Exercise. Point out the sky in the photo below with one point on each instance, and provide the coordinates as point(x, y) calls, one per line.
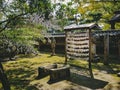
point(60, 1)
point(53, 1)
point(8, 1)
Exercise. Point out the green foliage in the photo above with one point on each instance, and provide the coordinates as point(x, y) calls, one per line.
point(24, 35)
point(22, 73)
point(16, 12)
point(20, 40)
point(96, 16)
point(100, 12)
point(91, 11)
point(11, 48)
point(64, 13)
point(16, 30)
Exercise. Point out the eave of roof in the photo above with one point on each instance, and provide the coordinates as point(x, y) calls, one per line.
point(82, 26)
point(115, 18)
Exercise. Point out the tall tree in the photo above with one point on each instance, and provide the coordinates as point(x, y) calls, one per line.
point(18, 10)
point(64, 13)
point(3, 78)
point(97, 11)
point(13, 13)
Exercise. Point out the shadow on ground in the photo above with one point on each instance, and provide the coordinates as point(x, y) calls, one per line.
point(87, 81)
point(20, 75)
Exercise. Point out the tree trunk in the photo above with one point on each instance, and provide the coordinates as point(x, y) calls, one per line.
point(4, 79)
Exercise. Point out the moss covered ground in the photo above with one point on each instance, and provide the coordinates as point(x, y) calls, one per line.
point(22, 74)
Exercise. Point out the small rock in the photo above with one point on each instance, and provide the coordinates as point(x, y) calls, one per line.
point(105, 72)
point(118, 74)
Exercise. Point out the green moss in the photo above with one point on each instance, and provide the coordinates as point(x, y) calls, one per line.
point(22, 72)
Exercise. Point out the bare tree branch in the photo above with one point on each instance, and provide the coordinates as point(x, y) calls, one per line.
point(7, 21)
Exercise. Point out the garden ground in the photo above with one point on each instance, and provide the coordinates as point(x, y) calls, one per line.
point(22, 74)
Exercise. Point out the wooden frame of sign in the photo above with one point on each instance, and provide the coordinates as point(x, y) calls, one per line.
point(78, 42)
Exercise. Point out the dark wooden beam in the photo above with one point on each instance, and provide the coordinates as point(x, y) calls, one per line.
point(65, 47)
point(106, 49)
point(117, 12)
point(90, 54)
point(112, 25)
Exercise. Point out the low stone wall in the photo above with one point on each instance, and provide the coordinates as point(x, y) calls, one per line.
point(44, 70)
point(56, 72)
point(59, 73)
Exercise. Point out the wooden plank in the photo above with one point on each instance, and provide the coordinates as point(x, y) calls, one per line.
point(66, 47)
point(77, 44)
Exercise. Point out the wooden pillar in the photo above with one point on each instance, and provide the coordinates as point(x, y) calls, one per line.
point(106, 49)
point(65, 47)
point(4, 79)
point(90, 55)
point(90, 45)
point(53, 45)
point(93, 48)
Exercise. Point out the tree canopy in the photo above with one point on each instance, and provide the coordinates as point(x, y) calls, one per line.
point(15, 12)
point(16, 26)
point(97, 11)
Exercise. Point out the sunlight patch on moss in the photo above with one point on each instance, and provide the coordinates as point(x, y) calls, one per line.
point(22, 73)
point(81, 63)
